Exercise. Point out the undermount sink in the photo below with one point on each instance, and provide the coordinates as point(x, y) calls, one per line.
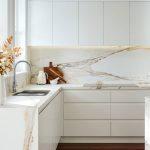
point(32, 93)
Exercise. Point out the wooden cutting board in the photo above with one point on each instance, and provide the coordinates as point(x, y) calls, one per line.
point(53, 73)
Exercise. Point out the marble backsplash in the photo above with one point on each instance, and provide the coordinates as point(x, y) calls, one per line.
point(92, 64)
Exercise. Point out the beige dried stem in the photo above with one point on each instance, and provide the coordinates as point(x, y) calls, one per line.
point(8, 55)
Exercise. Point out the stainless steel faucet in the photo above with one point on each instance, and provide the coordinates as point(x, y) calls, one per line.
point(14, 76)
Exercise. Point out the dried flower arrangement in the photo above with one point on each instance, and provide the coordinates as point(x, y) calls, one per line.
point(8, 55)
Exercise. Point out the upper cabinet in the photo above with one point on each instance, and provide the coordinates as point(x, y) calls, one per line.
point(90, 23)
point(65, 23)
point(140, 23)
point(39, 22)
point(116, 23)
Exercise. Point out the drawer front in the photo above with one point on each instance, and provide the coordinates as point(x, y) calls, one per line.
point(86, 96)
point(86, 128)
point(127, 127)
point(127, 111)
point(86, 111)
point(129, 95)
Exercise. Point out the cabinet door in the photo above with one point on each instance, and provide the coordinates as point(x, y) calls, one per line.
point(39, 22)
point(86, 128)
point(46, 127)
point(51, 124)
point(140, 23)
point(90, 23)
point(86, 111)
point(85, 96)
point(127, 111)
point(65, 23)
point(129, 95)
point(116, 23)
point(127, 127)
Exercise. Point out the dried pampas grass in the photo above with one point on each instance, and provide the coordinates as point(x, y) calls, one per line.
point(8, 55)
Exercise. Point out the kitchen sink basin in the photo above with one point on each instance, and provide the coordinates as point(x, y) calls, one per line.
point(32, 93)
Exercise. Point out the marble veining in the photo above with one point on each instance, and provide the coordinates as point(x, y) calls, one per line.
point(29, 118)
point(84, 65)
point(17, 127)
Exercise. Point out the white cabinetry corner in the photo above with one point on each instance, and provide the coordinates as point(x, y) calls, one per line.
point(51, 124)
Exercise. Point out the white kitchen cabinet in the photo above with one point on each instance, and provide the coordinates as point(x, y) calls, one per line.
point(140, 23)
point(116, 23)
point(127, 128)
point(136, 96)
point(86, 96)
point(127, 111)
point(51, 124)
point(65, 23)
point(90, 23)
point(86, 128)
point(39, 22)
point(86, 111)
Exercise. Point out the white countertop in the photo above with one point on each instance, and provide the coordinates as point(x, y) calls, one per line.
point(42, 101)
point(36, 101)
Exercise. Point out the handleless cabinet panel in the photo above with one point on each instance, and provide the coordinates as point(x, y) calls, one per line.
point(116, 23)
point(127, 127)
point(127, 111)
point(129, 95)
point(86, 111)
point(39, 22)
point(90, 23)
point(65, 23)
point(86, 96)
point(86, 128)
point(51, 124)
point(140, 23)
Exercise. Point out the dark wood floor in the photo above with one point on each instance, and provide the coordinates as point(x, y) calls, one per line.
point(64, 146)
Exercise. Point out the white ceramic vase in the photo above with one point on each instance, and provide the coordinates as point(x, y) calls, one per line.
point(2, 90)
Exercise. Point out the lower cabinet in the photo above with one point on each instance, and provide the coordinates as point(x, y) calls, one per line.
point(128, 112)
point(114, 113)
point(51, 124)
point(127, 127)
point(86, 111)
point(86, 128)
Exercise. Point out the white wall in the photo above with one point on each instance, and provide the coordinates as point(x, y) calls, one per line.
point(3, 20)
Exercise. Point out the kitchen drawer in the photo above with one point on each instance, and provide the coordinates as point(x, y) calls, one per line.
point(129, 95)
point(127, 127)
point(86, 96)
point(127, 110)
point(86, 128)
point(86, 111)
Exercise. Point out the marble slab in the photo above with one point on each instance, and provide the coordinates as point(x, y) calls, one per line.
point(91, 64)
point(18, 128)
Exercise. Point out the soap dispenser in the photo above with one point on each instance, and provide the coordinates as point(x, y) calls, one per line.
point(41, 78)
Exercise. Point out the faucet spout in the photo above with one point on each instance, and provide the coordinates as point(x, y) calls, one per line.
point(14, 75)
